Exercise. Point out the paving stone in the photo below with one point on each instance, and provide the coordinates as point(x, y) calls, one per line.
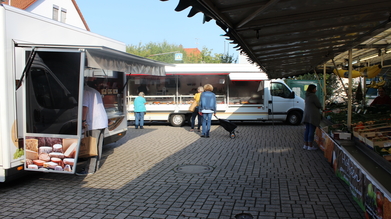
point(263, 171)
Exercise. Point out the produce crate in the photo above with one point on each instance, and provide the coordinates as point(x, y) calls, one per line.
point(381, 142)
point(370, 132)
point(385, 152)
point(341, 135)
point(369, 128)
point(365, 135)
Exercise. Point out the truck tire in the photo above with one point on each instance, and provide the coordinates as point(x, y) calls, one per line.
point(294, 118)
point(188, 119)
point(177, 120)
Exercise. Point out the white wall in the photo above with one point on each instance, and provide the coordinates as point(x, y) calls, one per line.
point(45, 8)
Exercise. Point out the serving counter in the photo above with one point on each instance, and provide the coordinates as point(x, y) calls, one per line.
point(367, 174)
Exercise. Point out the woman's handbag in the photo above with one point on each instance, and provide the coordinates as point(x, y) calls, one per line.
point(88, 147)
point(193, 106)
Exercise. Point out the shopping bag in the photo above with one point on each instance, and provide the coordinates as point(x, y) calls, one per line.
point(88, 147)
point(193, 106)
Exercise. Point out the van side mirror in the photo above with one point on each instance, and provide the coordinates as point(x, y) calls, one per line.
point(292, 95)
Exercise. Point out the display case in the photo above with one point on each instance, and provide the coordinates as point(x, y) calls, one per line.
point(360, 167)
point(188, 99)
point(155, 100)
point(110, 86)
point(370, 126)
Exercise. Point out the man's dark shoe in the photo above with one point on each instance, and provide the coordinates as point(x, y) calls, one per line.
point(82, 173)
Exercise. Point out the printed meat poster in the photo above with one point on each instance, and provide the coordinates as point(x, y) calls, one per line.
point(50, 154)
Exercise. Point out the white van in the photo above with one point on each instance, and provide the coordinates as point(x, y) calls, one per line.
point(243, 93)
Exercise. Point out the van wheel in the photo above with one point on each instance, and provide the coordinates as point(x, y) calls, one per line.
point(189, 120)
point(294, 118)
point(177, 120)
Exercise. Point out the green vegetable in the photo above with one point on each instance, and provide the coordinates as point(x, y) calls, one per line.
point(18, 153)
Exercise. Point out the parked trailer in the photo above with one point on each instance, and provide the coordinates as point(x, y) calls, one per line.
point(44, 65)
point(243, 93)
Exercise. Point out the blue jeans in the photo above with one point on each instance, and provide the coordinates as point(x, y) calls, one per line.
point(206, 123)
point(309, 132)
point(193, 116)
point(139, 119)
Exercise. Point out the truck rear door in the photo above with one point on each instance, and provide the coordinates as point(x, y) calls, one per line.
point(51, 95)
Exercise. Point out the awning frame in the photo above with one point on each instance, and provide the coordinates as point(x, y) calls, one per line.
point(109, 59)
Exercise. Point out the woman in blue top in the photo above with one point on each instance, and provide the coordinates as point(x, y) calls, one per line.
point(139, 110)
point(207, 107)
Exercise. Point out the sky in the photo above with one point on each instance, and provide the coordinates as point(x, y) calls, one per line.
point(145, 21)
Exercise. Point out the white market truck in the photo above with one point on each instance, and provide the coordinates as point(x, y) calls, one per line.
point(243, 93)
point(44, 66)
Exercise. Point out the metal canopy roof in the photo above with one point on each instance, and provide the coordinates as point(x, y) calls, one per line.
point(292, 37)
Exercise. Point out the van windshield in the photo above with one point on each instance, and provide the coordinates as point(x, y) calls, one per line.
point(52, 90)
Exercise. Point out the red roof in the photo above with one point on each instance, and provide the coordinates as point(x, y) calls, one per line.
point(192, 51)
point(22, 4)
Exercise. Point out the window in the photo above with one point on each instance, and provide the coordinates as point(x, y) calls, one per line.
point(182, 86)
point(52, 90)
point(63, 15)
point(280, 90)
point(110, 85)
point(55, 12)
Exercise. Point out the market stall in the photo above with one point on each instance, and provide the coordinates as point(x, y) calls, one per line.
point(356, 141)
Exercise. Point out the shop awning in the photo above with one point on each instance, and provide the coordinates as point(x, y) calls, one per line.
point(114, 60)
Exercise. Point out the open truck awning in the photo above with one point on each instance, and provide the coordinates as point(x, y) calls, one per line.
point(110, 59)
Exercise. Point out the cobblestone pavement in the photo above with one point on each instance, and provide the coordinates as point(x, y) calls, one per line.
point(263, 172)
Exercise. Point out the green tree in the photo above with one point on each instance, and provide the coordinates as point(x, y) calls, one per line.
point(165, 52)
point(226, 58)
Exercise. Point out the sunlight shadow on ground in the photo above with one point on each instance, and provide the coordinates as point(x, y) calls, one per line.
point(136, 157)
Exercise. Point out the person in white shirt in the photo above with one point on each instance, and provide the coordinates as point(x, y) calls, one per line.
point(95, 121)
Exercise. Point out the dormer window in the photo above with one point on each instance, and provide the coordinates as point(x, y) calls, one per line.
point(55, 12)
point(63, 15)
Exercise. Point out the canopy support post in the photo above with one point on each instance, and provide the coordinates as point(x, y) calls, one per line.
point(349, 119)
point(324, 88)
